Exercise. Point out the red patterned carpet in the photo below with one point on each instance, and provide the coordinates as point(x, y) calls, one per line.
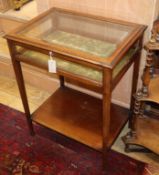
point(48, 153)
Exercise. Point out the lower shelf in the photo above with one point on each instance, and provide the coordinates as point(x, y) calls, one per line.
point(79, 116)
point(153, 91)
point(147, 134)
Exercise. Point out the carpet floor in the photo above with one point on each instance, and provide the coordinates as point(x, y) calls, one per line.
point(49, 153)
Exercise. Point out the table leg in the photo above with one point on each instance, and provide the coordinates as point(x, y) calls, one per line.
point(107, 83)
point(134, 82)
point(134, 86)
point(21, 86)
point(62, 81)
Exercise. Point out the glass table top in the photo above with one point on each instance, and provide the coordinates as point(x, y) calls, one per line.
point(82, 33)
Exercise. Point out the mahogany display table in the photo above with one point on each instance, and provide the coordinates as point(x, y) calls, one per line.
point(94, 52)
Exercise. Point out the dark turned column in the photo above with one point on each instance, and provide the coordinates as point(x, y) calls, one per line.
point(147, 73)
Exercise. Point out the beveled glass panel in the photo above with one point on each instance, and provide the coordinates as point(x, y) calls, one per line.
point(73, 31)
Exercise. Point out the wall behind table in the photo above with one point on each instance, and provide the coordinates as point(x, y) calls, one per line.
point(138, 11)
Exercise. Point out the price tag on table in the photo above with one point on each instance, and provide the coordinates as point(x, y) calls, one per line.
point(51, 64)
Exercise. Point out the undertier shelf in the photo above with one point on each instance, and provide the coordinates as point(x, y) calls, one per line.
point(79, 116)
point(153, 91)
point(147, 132)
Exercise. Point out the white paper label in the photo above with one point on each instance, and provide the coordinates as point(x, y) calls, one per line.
point(52, 66)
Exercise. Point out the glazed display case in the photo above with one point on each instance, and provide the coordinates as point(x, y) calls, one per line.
point(91, 51)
